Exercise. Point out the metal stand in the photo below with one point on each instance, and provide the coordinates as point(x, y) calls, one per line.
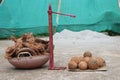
point(51, 62)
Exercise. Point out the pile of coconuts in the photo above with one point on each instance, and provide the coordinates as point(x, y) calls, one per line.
point(27, 43)
point(86, 62)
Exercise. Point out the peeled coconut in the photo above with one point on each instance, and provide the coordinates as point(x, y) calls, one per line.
point(72, 65)
point(75, 59)
point(86, 59)
point(100, 61)
point(82, 65)
point(93, 64)
point(87, 54)
point(81, 59)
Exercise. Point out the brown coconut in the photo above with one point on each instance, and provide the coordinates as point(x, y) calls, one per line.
point(81, 59)
point(86, 59)
point(72, 65)
point(75, 59)
point(93, 64)
point(87, 54)
point(82, 65)
point(100, 61)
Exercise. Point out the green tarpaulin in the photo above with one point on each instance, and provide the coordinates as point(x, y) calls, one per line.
point(23, 16)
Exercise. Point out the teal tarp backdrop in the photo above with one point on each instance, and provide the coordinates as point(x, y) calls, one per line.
point(23, 16)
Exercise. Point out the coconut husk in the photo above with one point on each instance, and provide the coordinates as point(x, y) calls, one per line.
point(27, 42)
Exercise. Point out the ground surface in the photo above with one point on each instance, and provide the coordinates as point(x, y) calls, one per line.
point(110, 51)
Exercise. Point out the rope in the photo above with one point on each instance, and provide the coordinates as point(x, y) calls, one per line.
point(57, 17)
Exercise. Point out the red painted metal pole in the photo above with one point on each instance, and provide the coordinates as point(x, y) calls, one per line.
point(51, 62)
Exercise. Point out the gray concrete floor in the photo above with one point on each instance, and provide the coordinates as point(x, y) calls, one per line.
point(110, 51)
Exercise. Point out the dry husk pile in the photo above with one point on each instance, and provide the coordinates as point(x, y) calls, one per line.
point(27, 43)
point(86, 62)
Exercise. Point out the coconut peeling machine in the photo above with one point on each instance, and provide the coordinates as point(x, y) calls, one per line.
point(51, 62)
